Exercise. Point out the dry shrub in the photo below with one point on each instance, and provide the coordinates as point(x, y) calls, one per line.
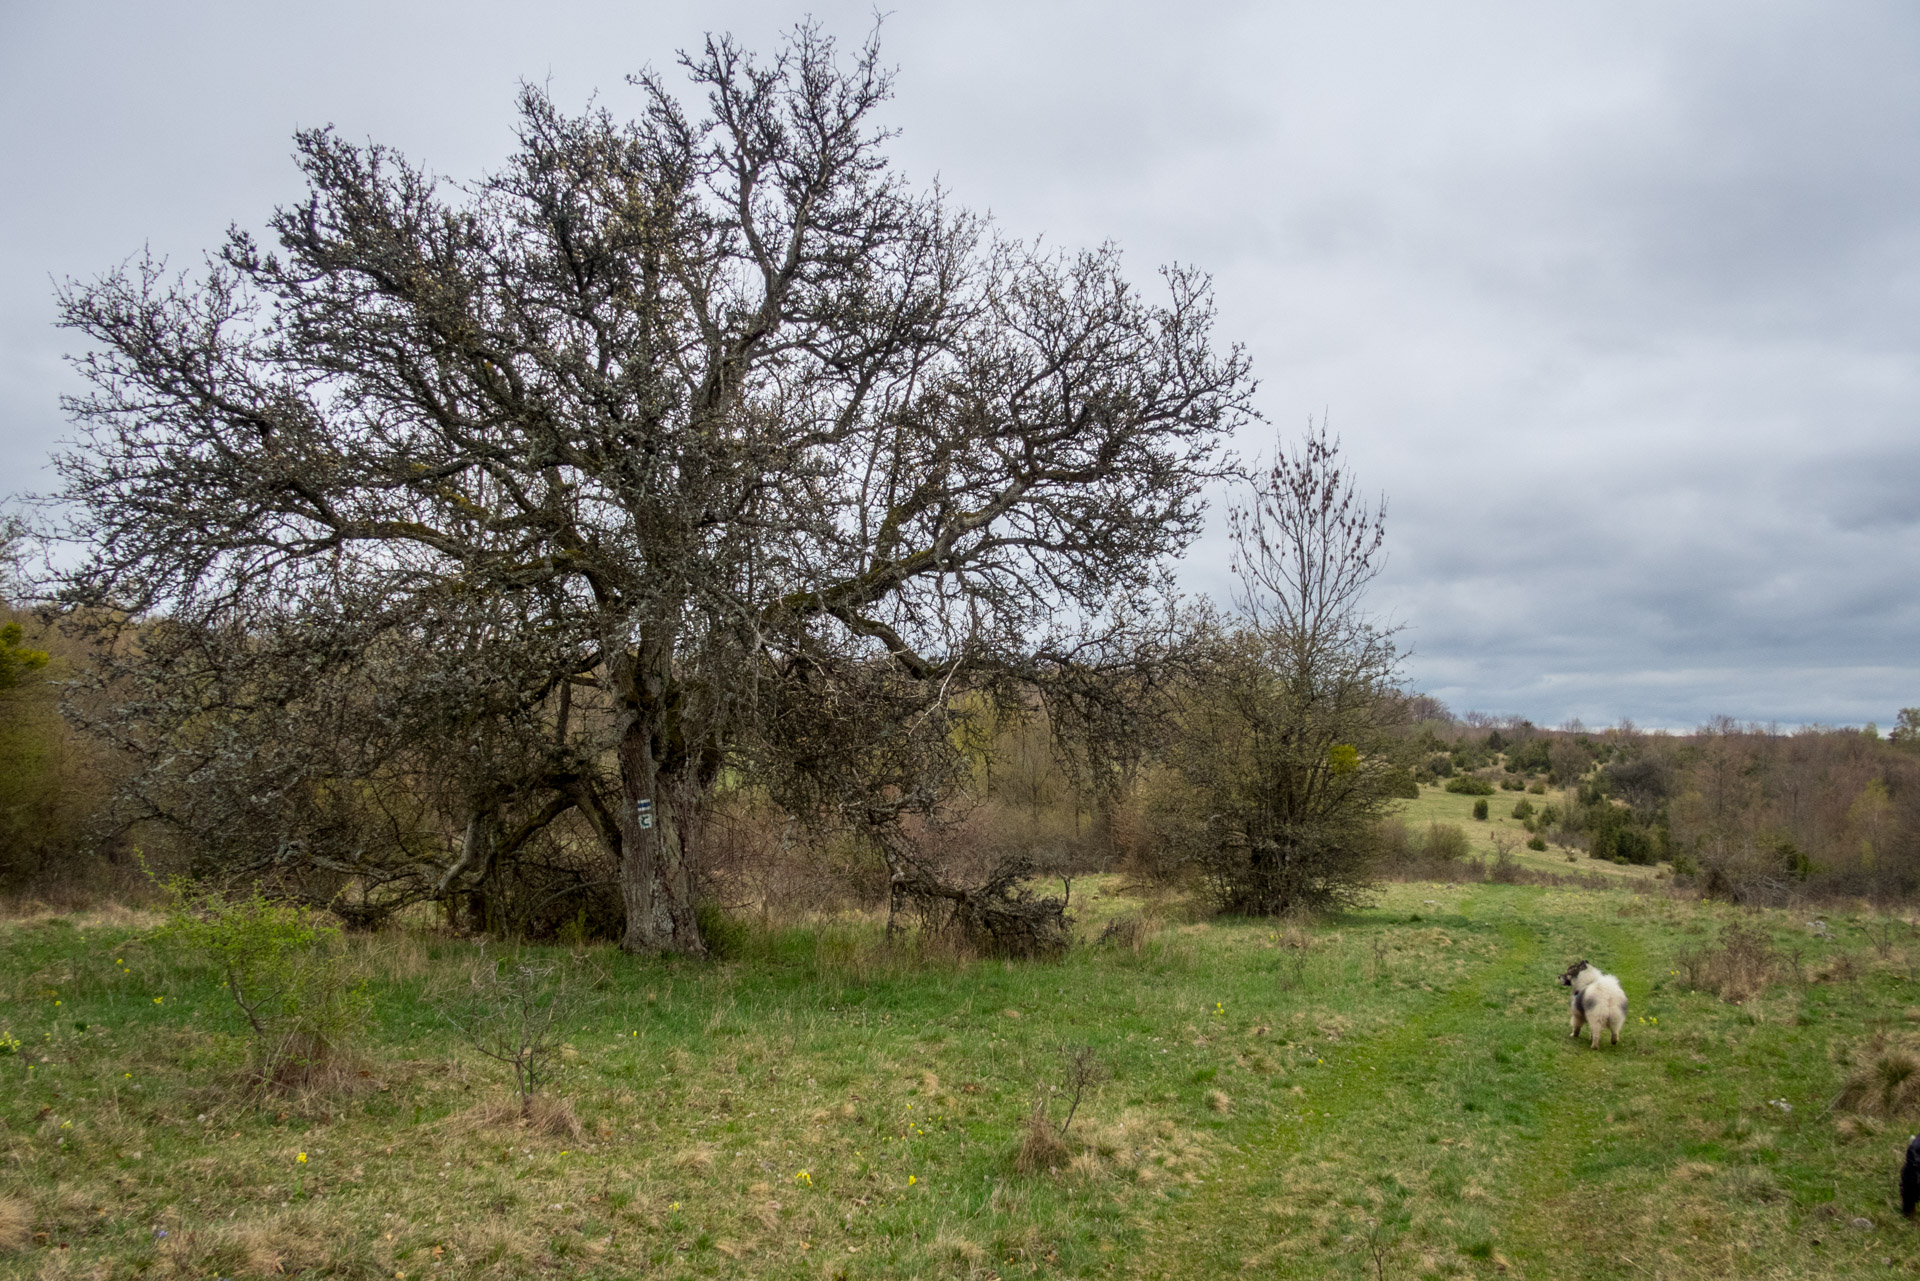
point(1131, 933)
point(697, 1159)
point(1042, 1147)
point(1738, 967)
point(1886, 1083)
point(1218, 1101)
point(1000, 916)
point(1841, 967)
point(16, 1223)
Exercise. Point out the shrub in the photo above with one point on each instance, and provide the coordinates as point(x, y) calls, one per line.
point(1480, 809)
point(1445, 843)
point(1523, 809)
point(1615, 838)
point(1402, 784)
point(1537, 844)
point(1468, 785)
point(727, 937)
point(513, 1011)
point(285, 972)
point(1739, 966)
point(1511, 784)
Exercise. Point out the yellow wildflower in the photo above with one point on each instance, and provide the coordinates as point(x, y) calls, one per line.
point(302, 1158)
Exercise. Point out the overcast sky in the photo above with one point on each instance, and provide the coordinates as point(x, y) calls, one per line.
point(1616, 303)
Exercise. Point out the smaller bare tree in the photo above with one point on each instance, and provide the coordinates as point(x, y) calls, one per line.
point(1289, 732)
point(513, 1011)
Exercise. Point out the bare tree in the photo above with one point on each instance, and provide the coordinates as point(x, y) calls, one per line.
point(695, 417)
point(512, 1012)
point(1289, 732)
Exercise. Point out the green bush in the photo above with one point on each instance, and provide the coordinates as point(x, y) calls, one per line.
point(1480, 809)
point(1529, 757)
point(1538, 787)
point(1523, 809)
point(1537, 843)
point(727, 937)
point(1467, 785)
point(284, 970)
point(1401, 783)
point(16, 660)
point(1445, 843)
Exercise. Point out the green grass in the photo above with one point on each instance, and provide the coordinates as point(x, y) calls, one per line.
point(1403, 1079)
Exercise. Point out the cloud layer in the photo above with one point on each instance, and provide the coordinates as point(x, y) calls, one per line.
point(1617, 304)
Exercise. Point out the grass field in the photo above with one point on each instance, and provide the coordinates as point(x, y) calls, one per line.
point(1388, 1094)
point(1436, 805)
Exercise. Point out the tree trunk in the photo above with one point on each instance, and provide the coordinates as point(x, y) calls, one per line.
point(656, 875)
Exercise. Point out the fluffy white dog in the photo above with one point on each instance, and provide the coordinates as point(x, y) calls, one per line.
point(1598, 1001)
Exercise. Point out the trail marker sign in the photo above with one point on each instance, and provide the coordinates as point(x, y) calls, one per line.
point(643, 808)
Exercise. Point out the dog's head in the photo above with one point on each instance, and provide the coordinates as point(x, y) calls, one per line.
point(1573, 972)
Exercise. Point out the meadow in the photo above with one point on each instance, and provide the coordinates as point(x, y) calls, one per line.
point(1436, 805)
point(1390, 1093)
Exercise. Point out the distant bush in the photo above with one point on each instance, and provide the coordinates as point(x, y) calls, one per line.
point(1402, 784)
point(1538, 787)
point(1468, 785)
point(1445, 843)
point(1511, 784)
point(1529, 757)
point(1480, 809)
point(1615, 836)
point(1537, 843)
point(1523, 809)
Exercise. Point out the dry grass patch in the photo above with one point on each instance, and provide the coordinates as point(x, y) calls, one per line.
point(285, 1245)
point(541, 1114)
point(16, 1223)
point(1885, 1081)
point(697, 1159)
point(952, 1246)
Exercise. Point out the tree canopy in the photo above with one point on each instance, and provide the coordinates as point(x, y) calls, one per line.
point(621, 466)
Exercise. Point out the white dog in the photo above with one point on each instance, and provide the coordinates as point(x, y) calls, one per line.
point(1598, 1001)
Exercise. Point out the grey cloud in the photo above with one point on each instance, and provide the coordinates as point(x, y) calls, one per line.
point(1618, 304)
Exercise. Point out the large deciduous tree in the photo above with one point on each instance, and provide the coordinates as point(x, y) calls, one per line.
point(694, 415)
